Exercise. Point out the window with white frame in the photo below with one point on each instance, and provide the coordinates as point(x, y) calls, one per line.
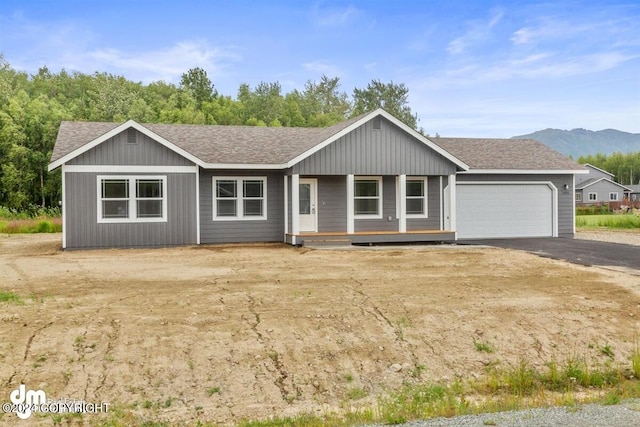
point(132, 198)
point(578, 197)
point(613, 197)
point(416, 195)
point(237, 198)
point(367, 195)
point(593, 197)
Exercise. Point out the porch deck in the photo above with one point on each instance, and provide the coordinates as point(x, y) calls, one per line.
point(364, 237)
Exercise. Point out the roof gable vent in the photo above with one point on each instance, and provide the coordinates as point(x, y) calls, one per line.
point(132, 136)
point(376, 123)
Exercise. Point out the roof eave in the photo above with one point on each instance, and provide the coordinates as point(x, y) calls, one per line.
point(115, 131)
point(525, 171)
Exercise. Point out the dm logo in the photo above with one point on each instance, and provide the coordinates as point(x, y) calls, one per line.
point(25, 400)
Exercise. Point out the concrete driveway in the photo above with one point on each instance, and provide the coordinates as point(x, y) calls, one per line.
point(585, 252)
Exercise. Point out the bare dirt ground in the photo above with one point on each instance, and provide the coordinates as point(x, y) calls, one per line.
point(223, 333)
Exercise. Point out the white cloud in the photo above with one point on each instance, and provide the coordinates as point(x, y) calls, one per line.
point(319, 67)
point(165, 64)
point(477, 31)
point(334, 17)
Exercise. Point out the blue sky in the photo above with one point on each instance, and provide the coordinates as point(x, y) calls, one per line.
point(473, 68)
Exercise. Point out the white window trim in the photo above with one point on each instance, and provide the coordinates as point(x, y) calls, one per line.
point(240, 197)
point(426, 197)
point(595, 197)
point(611, 199)
point(578, 197)
point(133, 206)
point(379, 215)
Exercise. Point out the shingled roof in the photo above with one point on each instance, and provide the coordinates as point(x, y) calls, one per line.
point(516, 154)
point(212, 144)
point(254, 145)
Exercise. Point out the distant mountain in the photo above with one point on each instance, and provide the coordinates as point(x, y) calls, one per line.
point(578, 142)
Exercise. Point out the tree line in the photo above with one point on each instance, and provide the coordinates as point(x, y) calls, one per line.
point(625, 167)
point(32, 107)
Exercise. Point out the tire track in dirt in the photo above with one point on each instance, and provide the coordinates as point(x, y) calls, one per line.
point(27, 350)
point(383, 319)
point(276, 358)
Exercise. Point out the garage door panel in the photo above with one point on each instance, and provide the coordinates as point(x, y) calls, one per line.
point(504, 210)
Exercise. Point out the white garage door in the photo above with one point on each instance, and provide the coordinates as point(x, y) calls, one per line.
point(504, 210)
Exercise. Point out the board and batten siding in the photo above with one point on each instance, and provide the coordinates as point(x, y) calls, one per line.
point(83, 230)
point(332, 204)
point(368, 151)
point(242, 231)
point(117, 151)
point(432, 222)
point(565, 197)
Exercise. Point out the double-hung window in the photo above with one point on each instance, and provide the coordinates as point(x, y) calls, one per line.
point(613, 197)
point(416, 197)
point(593, 197)
point(239, 198)
point(367, 194)
point(132, 198)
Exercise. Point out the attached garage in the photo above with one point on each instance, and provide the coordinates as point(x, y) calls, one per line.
point(502, 210)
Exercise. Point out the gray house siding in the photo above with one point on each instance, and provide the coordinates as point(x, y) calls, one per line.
point(240, 231)
point(332, 203)
point(602, 188)
point(432, 222)
point(367, 151)
point(565, 197)
point(593, 173)
point(388, 222)
point(83, 231)
point(117, 151)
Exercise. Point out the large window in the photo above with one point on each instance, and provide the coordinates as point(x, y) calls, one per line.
point(132, 199)
point(368, 197)
point(239, 198)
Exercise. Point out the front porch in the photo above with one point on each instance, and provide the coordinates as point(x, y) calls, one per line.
point(370, 237)
point(352, 209)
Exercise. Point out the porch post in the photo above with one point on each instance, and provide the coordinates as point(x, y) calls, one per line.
point(286, 207)
point(350, 208)
point(452, 202)
point(403, 204)
point(295, 204)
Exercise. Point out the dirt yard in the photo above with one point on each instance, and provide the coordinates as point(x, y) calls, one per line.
point(222, 333)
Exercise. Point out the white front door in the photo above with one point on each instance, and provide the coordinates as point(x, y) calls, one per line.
point(308, 213)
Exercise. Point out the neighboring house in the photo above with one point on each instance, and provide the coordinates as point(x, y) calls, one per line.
point(368, 179)
point(634, 193)
point(598, 186)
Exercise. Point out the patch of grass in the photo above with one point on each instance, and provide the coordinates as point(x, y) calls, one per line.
point(625, 221)
point(356, 393)
point(8, 296)
point(38, 225)
point(213, 390)
point(32, 211)
point(483, 346)
point(607, 350)
point(348, 377)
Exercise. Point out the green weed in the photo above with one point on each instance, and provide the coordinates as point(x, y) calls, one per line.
point(7, 296)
